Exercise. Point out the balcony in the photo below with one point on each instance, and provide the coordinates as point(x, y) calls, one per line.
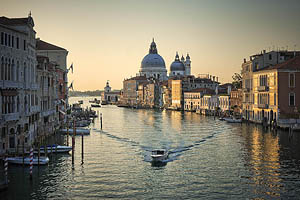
point(263, 106)
point(47, 113)
point(11, 117)
point(9, 84)
point(34, 86)
point(262, 88)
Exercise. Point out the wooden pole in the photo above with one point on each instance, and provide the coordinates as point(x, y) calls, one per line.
point(31, 162)
point(73, 143)
point(5, 169)
point(82, 149)
point(67, 131)
point(23, 150)
point(101, 121)
point(39, 151)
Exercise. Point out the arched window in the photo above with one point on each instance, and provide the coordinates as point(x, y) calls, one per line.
point(9, 70)
point(24, 73)
point(5, 69)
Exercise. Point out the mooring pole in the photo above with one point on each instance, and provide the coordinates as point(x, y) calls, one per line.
point(31, 162)
point(39, 151)
point(73, 143)
point(67, 131)
point(101, 121)
point(5, 169)
point(23, 151)
point(82, 149)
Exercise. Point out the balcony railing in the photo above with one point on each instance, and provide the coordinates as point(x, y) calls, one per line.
point(263, 106)
point(262, 88)
point(11, 116)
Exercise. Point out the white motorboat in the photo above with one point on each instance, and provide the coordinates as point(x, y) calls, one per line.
point(19, 160)
point(55, 149)
point(159, 155)
point(233, 120)
point(79, 131)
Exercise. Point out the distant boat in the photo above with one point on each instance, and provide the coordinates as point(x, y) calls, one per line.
point(80, 101)
point(159, 155)
point(96, 105)
point(55, 149)
point(104, 102)
point(19, 160)
point(79, 131)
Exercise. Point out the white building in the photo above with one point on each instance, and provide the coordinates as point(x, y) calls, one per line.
point(18, 97)
point(180, 67)
point(153, 65)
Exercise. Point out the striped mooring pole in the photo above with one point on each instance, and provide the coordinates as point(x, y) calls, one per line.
point(5, 169)
point(31, 162)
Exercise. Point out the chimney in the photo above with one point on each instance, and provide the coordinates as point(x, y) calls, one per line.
point(214, 78)
point(217, 79)
point(210, 77)
point(250, 58)
point(244, 60)
point(264, 51)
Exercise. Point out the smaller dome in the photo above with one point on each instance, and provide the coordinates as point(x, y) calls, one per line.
point(177, 66)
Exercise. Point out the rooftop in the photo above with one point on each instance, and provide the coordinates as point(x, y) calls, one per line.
point(42, 45)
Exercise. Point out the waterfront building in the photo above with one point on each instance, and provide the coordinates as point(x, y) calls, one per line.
point(236, 98)
point(18, 97)
point(130, 90)
point(275, 92)
point(48, 96)
point(109, 96)
point(193, 98)
point(247, 90)
point(180, 67)
point(153, 65)
point(57, 55)
point(149, 94)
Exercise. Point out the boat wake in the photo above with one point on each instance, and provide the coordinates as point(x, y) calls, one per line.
point(174, 152)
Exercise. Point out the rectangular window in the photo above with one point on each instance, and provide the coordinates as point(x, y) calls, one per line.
point(5, 39)
point(2, 38)
point(17, 43)
point(274, 99)
point(12, 41)
point(9, 40)
point(292, 80)
point(270, 56)
point(24, 45)
point(292, 99)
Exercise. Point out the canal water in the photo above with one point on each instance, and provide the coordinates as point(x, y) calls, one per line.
point(209, 159)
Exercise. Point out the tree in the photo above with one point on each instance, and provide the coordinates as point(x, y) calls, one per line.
point(237, 80)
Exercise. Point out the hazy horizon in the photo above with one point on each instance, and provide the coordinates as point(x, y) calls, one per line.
point(107, 40)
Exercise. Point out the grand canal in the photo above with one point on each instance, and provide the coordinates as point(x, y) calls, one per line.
point(209, 159)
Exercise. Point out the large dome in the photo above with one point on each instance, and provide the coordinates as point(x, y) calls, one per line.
point(153, 60)
point(177, 66)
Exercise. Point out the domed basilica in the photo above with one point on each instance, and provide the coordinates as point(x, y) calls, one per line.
point(153, 65)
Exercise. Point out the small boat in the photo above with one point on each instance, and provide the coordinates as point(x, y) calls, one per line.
point(80, 101)
point(159, 155)
point(55, 149)
point(95, 105)
point(233, 120)
point(221, 118)
point(79, 131)
point(19, 160)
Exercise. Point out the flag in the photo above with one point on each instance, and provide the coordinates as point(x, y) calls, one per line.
point(71, 67)
point(71, 86)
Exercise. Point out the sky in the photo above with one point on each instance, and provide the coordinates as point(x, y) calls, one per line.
point(107, 40)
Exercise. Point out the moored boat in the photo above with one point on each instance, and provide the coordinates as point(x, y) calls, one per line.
point(159, 155)
point(55, 149)
point(79, 131)
point(19, 160)
point(233, 120)
point(96, 105)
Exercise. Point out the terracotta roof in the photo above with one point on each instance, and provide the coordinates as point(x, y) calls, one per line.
point(293, 64)
point(42, 45)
